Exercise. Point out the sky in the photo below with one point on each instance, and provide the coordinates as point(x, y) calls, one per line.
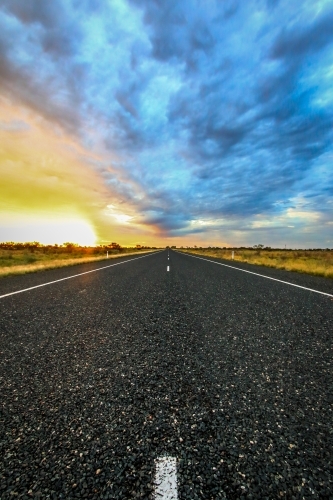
point(160, 122)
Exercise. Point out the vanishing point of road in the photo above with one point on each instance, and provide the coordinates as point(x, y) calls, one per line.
point(221, 377)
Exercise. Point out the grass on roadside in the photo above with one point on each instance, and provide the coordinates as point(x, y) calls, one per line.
point(27, 261)
point(315, 262)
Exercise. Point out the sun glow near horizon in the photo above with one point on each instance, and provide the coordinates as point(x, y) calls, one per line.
point(48, 231)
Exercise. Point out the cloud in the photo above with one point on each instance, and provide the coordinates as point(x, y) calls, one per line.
point(14, 125)
point(185, 111)
point(299, 40)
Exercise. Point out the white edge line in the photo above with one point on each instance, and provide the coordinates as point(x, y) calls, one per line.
point(166, 478)
point(80, 274)
point(257, 274)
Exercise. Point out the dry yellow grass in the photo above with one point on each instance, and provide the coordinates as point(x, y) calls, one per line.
point(42, 265)
point(315, 262)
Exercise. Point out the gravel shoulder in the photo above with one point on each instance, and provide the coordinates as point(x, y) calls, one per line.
point(229, 373)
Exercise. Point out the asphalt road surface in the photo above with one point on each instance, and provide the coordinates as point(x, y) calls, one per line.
point(225, 374)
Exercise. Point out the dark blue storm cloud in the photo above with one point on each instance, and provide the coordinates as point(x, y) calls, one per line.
point(220, 113)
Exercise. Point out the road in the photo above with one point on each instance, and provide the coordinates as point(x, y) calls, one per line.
point(226, 372)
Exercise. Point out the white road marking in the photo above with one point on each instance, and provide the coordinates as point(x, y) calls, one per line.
point(257, 274)
point(168, 268)
point(166, 478)
point(75, 275)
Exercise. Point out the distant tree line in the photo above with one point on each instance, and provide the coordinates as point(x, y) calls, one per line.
point(69, 247)
point(257, 248)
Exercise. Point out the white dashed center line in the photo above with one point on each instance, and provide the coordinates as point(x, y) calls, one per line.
point(168, 268)
point(166, 478)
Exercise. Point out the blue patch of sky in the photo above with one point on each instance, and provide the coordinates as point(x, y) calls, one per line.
point(214, 109)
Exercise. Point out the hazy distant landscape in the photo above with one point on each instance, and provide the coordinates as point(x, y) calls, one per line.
point(21, 258)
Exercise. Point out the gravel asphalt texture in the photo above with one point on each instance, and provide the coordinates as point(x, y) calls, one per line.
point(228, 372)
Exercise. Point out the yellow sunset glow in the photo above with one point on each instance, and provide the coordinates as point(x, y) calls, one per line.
point(48, 231)
point(48, 193)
